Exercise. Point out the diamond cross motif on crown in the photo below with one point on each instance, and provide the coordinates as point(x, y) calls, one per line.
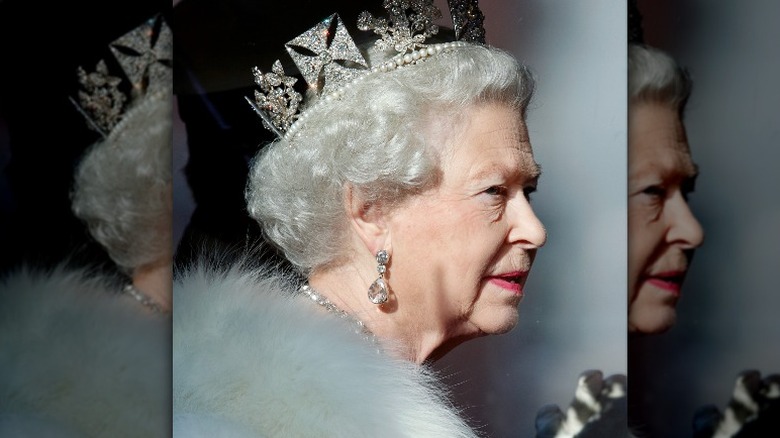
point(326, 55)
point(145, 54)
point(329, 60)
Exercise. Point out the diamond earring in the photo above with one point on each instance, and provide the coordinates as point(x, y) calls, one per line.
point(377, 293)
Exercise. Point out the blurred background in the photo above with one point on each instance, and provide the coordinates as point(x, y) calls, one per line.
point(728, 316)
point(573, 316)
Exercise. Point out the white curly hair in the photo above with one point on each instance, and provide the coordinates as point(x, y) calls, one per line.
point(122, 186)
point(654, 76)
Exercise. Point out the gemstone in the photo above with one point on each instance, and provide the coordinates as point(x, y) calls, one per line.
point(377, 293)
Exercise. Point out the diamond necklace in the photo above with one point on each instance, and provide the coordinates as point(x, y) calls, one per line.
point(143, 298)
point(359, 326)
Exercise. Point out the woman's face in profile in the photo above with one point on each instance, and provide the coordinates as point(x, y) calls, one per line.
point(662, 230)
point(462, 251)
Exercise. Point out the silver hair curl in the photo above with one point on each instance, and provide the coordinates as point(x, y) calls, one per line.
point(654, 76)
point(376, 139)
point(122, 186)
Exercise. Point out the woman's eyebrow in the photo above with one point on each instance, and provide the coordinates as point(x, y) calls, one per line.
point(506, 171)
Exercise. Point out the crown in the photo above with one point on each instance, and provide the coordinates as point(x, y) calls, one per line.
point(329, 61)
point(144, 54)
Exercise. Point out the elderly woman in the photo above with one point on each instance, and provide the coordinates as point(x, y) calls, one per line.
point(87, 353)
point(663, 232)
point(123, 193)
point(403, 199)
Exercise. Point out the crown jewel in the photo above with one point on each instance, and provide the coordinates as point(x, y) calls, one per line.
point(101, 101)
point(330, 43)
point(405, 31)
point(467, 20)
point(329, 60)
point(144, 54)
point(277, 102)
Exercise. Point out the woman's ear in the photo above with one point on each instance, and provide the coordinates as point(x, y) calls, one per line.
point(367, 220)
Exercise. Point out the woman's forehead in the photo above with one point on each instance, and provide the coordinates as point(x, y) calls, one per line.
point(493, 140)
point(506, 159)
point(482, 124)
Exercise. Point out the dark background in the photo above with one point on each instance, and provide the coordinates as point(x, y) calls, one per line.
point(42, 136)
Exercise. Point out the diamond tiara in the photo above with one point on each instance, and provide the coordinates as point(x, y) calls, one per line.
point(144, 54)
point(329, 60)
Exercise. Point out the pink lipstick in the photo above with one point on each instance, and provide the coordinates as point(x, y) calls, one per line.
point(511, 281)
point(669, 281)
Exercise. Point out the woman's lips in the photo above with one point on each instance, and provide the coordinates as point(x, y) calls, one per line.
point(511, 281)
point(669, 281)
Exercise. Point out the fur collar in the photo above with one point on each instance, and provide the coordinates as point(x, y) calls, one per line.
point(79, 358)
point(253, 358)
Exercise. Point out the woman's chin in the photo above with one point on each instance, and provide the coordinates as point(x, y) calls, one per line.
point(652, 322)
point(498, 322)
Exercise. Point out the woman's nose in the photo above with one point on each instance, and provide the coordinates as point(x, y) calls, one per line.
point(527, 229)
point(684, 228)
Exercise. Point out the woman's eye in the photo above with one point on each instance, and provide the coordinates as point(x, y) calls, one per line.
point(495, 191)
point(655, 191)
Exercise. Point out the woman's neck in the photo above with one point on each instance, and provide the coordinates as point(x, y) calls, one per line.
point(399, 332)
point(155, 281)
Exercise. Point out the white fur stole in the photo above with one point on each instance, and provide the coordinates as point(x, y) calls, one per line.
point(77, 358)
point(251, 358)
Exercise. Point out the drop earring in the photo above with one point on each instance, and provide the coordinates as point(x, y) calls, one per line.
point(377, 293)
